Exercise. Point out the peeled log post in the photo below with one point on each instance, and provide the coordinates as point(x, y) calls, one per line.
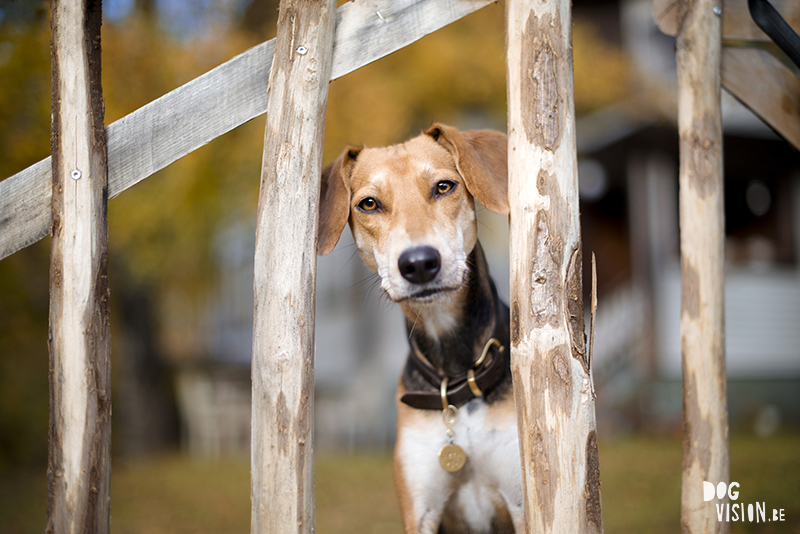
point(79, 464)
point(702, 222)
point(552, 387)
point(282, 470)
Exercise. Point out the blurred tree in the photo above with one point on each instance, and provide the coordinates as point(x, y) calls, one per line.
point(25, 91)
point(161, 232)
point(24, 397)
point(24, 140)
point(260, 18)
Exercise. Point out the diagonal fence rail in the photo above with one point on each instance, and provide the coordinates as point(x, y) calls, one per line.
point(215, 103)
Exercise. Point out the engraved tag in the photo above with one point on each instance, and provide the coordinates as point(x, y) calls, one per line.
point(452, 457)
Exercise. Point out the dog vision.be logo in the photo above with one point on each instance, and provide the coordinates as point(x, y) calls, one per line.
point(738, 511)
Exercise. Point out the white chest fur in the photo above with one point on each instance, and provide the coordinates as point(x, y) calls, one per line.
point(490, 480)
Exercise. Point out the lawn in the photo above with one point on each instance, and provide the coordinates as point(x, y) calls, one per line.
point(176, 495)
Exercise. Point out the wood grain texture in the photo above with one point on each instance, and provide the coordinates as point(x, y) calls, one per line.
point(775, 97)
point(737, 24)
point(282, 468)
point(79, 463)
point(211, 105)
point(552, 388)
point(702, 223)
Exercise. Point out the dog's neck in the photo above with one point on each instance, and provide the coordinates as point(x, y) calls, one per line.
point(450, 334)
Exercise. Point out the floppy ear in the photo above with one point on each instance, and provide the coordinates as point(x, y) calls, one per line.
point(334, 200)
point(481, 158)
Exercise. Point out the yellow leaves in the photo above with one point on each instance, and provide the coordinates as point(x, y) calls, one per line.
point(141, 63)
point(457, 75)
point(24, 97)
point(443, 77)
point(600, 69)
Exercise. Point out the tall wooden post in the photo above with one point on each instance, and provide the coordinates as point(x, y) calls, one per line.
point(702, 222)
point(282, 484)
point(79, 461)
point(552, 385)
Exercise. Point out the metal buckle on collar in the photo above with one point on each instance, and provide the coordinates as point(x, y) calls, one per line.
point(473, 386)
point(493, 341)
point(443, 393)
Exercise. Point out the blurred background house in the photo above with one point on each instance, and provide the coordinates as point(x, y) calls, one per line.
point(181, 243)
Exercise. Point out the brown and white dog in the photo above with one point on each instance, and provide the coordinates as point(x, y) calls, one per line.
point(411, 208)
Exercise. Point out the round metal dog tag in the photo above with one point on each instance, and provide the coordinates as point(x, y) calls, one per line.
point(452, 457)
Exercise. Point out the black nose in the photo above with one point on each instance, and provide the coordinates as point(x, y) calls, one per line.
point(419, 264)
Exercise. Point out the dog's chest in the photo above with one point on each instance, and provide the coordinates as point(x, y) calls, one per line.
point(491, 479)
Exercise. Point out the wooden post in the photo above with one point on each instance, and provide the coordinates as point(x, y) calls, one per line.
point(702, 222)
point(552, 385)
point(282, 484)
point(79, 463)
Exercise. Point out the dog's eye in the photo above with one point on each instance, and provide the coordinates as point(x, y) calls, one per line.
point(444, 187)
point(368, 204)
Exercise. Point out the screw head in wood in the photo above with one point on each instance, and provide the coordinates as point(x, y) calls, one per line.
point(76, 174)
point(302, 50)
point(717, 11)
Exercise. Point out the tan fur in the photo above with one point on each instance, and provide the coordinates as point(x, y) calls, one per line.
point(404, 497)
point(477, 157)
point(481, 157)
point(402, 180)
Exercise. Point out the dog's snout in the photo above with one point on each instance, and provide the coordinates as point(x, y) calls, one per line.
point(419, 264)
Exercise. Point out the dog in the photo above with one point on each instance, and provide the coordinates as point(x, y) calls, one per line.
point(411, 209)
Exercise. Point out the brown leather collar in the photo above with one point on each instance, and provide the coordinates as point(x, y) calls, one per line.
point(460, 388)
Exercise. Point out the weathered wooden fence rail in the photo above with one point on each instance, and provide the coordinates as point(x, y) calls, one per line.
point(211, 105)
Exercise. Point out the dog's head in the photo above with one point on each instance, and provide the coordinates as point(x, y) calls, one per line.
point(411, 206)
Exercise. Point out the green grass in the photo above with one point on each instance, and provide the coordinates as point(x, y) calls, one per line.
point(354, 493)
